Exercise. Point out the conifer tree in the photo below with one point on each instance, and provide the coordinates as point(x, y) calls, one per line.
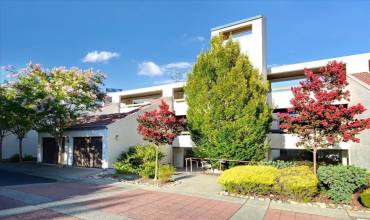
point(228, 114)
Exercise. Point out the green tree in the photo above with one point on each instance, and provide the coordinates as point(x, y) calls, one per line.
point(67, 95)
point(228, 113)
point(52, 100)
point(20, 114)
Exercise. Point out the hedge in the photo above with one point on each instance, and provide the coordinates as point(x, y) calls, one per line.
point(297, 182)
point(249, 179)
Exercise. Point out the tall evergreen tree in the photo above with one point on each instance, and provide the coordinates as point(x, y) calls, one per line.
point(228, 113)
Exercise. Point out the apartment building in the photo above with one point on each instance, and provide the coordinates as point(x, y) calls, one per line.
point(98, 140)
point(251, 34)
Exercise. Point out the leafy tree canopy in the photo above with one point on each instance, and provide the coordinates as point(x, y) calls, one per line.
point(315, 116)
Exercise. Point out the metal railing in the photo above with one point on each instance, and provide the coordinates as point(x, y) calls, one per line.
point(189, 161)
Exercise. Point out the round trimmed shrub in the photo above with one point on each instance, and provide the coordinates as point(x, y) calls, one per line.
point(249, 179)
point(365, 198)
point(297, 182)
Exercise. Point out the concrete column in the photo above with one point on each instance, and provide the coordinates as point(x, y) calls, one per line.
point(344, 157)
point(39, 149)
point(105, 156)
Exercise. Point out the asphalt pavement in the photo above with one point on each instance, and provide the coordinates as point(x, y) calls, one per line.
point(13, 178)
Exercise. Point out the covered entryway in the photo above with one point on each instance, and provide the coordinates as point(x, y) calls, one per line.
point(50, 150)
point(88, 151)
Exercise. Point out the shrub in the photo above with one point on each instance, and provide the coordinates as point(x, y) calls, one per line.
point(29, 158)
point(165, 173)
point(340, 182)
point(278, 163)
point(249, 179)
point(136, 160)
point(365, 198)
point(297, 182)
point(147, 170)
point(14, 158)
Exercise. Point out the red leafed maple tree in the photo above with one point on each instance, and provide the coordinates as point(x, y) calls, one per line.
point(316, 117)
point(160, 127)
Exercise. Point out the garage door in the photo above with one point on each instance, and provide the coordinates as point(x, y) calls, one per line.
point(50, 150)
point(87, 151)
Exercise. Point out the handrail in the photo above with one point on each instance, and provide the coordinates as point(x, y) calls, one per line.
point(221, 161)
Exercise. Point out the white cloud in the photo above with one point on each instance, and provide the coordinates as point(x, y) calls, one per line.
point(150, 69)
point(199, 38)
point(178, 65)
point(99, 57)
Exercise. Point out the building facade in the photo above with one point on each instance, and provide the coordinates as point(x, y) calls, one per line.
point(251, 35)
point(114, 137)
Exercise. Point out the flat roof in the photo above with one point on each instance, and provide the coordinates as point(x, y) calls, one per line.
point(236, 22)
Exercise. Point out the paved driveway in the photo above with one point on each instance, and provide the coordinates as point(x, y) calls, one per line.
point(11, 178)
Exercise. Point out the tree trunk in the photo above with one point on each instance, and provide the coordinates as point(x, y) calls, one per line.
point(314, 152)
point(156, 162)
point(59, 141)
point(20, 140)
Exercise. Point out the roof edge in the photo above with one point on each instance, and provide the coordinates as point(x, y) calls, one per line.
point(236, 22)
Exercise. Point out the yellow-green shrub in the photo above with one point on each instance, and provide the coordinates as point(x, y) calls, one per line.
point(165, 173)
point(249, 179)
point(365, 198)
point(297, 182)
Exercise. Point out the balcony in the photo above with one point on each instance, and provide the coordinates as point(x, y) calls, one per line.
point(124, 108)
point(180, 107)
point(280, 98)
point(183, 140)
point(288, 141)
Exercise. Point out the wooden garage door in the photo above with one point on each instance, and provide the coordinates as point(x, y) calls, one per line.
point(50, 150)
point(87, 151)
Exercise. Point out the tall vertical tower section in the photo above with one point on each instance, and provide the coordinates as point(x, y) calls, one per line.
point(251, 35)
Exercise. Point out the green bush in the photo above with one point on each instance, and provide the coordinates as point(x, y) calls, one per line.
point(278, 163)
point(14, 158)
point(165, 173)
point(340, 182)
point(137, 160)
point(29, 158)
point(297, 182)
point(249, 179)
point(365, 198)
point(147, 170)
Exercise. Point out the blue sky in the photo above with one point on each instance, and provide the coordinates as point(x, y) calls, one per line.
point(143, 43)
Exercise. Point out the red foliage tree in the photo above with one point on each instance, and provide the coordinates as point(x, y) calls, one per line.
point(160, 127)
point(316, 117)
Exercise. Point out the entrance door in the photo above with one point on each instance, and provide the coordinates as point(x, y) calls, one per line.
point(87, 151)
point(50, 150)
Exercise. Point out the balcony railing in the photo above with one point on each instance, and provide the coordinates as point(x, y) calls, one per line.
point(180, 106)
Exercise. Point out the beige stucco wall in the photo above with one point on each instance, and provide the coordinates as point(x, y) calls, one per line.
point(11, 145)
point(123, 134)
point(360, 152)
